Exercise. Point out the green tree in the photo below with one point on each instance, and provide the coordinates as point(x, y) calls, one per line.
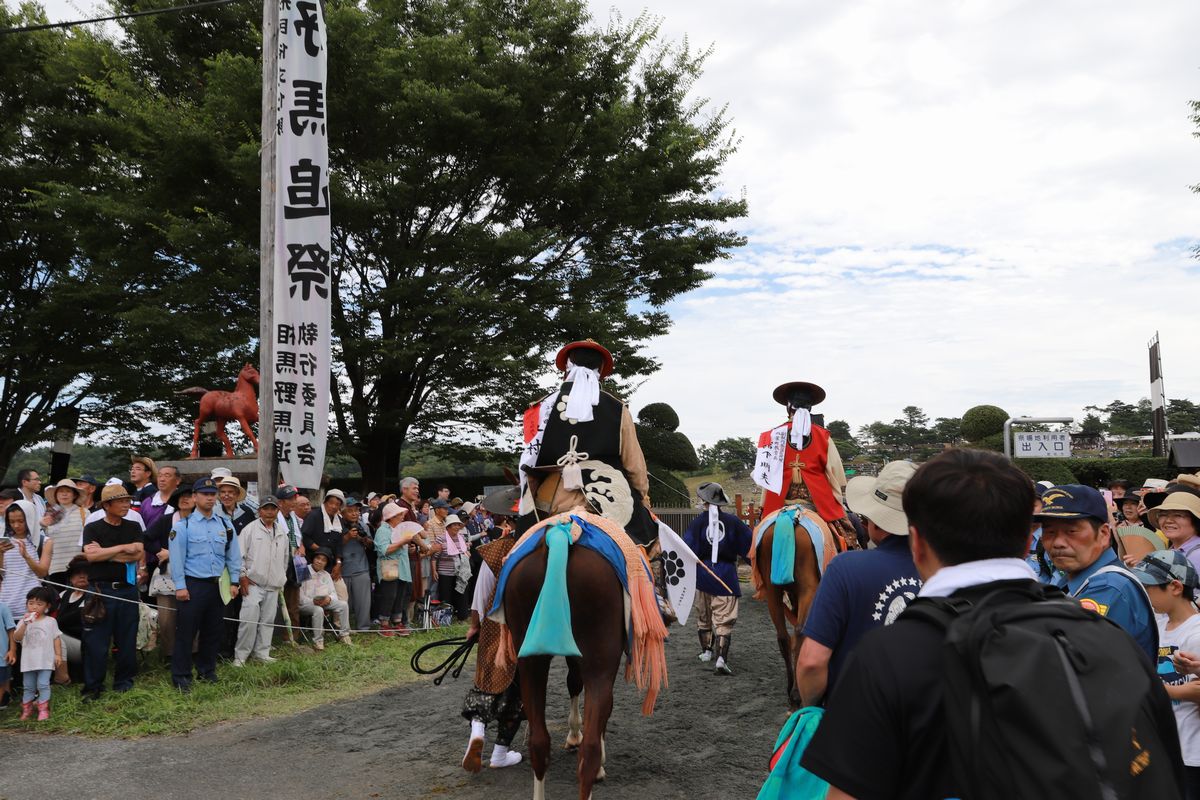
point(1092, 425)
point(514, 167)
point(735, 454)
point(981, 422)
point(839, 429)
point(1183, 416)
point(663, 446)
point(947, 430)
point(507, 176)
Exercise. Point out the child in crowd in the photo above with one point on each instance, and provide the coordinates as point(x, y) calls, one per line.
point(9, 648)
point(41, 651)
point(1171, 581)
point(318, 597)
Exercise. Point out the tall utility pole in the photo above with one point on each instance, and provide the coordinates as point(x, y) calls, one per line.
point(268, 469)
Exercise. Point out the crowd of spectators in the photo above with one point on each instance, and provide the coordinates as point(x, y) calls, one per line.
point(87, 575)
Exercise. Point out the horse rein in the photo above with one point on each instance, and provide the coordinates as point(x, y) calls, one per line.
point(455, 661)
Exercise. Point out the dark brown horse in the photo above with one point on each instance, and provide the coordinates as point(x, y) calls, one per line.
point(799, 594)
point(598, 623)
point(241, 404)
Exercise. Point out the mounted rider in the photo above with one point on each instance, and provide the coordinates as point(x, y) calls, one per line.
point(581, 449)
point(799, 464)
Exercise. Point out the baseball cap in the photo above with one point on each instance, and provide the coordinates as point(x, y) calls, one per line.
point(879, 498)
point(1072, 501)
point(205, 485)
point(371, 496)
point(269, 500)
point(285, 492)
point(439, 503)
point(1163, 566)
point(88, 479)
point(353, 501)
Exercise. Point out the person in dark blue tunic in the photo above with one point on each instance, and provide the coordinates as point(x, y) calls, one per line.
point(717, 538)
point(860, 590)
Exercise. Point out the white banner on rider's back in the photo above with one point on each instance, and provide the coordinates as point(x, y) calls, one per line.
point(303, 275)
point(679, 565)
point(768, 461)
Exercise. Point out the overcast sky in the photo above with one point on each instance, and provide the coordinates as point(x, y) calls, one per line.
point(951, 203)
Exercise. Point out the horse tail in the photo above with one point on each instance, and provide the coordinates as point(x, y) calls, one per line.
point(647, 656)
point(550, 632)
point(197, 390)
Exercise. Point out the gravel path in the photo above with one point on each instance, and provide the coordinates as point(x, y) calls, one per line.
point(710, 737)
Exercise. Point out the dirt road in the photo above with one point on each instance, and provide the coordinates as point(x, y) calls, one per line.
point(710, 737)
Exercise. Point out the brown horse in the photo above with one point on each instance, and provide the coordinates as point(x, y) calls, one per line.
point(241, 404)
point(598, 624)
point(799, 593)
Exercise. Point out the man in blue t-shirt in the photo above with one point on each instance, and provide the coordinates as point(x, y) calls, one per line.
point(861, 589)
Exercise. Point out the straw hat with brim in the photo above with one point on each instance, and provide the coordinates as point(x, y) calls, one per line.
point(114, 492)
point(880, 498)
point(148, 463)
point(1177, 501)
point(606, 367)
point(231, 481)
point(502, 502)
point(65, 483)
point(783, 390)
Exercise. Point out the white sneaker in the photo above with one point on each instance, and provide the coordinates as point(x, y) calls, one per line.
point(267, 659)
point(510, 759)
point(706, 656)
point(237, 662)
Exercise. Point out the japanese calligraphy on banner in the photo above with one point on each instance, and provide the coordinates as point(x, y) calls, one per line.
point(1043, 445)
point(303, 280)
point(768, 462)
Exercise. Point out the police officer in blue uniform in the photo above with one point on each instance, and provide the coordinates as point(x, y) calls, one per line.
point(1077, 537)
point(201, 546)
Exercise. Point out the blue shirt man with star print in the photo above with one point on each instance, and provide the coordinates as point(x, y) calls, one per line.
point(861, 589)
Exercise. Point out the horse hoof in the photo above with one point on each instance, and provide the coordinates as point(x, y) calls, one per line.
point(571, 746)
point(600, 776)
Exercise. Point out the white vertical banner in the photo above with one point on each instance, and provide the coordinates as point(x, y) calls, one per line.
point(303, 278)
point(768, 461)
point(679, 571)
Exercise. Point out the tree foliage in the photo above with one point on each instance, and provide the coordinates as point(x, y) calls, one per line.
point(735, 454)
point(506, 176)
point(980, 422)
point(659, 415)
point(661, 444)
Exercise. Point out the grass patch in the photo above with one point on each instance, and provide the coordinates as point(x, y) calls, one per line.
point(299, 680)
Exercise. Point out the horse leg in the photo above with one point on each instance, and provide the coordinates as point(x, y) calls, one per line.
point(249, 433)
point(200, 417)
point(595, 721)
point(534, 672)
point(224, 437)
point(774, 597)
point(574, 718)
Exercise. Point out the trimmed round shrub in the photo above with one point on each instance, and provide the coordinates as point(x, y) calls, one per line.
point(983, 421)
point(659, 415)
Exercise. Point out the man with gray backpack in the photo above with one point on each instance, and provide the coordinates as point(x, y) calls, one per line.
point(991, 686)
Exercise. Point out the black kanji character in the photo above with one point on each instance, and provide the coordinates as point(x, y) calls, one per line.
point(283, 421)
point(307, 334)
point(283, 451)
point(307, 196)
point(308, 103)
point(306, 454)
point(285, 393)
point(285, 334)
point(309, 392)
point(285, 363)
point(308, 270)
point(307, 24)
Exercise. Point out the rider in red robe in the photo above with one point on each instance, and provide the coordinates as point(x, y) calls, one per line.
point(812, 473)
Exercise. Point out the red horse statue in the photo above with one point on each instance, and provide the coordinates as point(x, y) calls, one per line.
point(241, 404)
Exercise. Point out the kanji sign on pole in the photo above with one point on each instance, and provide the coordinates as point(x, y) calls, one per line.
point(1043, 445)
point(300, 352)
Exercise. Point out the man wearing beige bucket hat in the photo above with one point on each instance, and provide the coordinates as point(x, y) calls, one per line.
point(860, 590)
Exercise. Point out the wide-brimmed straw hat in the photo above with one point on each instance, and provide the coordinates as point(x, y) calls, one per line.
point(1177, 501)
point(65, 483)
point(232, 481)
point(114, 491)
point(879, 498)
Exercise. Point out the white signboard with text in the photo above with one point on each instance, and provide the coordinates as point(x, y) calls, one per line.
point(1042, 445)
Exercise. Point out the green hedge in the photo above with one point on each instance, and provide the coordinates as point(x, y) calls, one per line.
point(1095, 471)
point(670, 449)
point(662, 496)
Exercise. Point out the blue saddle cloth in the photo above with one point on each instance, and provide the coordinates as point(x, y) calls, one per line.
point(591, 537)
